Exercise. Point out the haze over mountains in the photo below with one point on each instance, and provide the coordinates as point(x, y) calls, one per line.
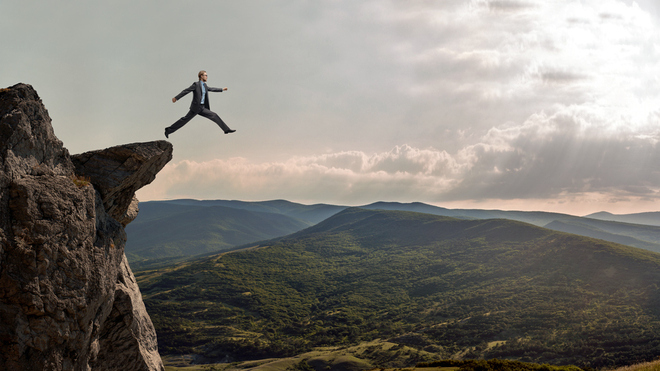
point(167, 231)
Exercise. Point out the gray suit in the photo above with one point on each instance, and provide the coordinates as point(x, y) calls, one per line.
point(196, 108)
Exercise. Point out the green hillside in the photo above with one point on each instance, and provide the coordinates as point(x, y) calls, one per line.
point(588, 230)
point(468, 288)
point(644, 235)
point(311, 214)
point(164, 230)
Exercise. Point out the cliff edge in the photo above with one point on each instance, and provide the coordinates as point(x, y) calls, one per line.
point(68, 298)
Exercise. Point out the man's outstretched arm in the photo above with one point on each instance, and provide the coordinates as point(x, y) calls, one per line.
point(184, 92)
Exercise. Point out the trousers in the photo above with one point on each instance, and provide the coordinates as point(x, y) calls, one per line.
point(189, 116)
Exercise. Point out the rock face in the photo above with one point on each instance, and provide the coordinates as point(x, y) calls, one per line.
point(68, 299)
point(118, 172)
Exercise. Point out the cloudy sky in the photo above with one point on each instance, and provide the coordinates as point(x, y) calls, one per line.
point(507, 104)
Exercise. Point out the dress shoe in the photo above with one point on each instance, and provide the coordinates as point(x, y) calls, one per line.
point(229, 131)
point(167, 135)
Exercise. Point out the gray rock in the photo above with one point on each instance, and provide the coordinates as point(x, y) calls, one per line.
point(68, 299)
point(118, 172)
point(27, 141)
point(127, 319)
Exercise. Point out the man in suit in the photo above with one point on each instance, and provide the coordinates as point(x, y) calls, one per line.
point(199, 106)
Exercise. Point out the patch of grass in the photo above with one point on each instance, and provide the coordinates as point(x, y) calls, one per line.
point(80, 181)
point(648, 366)
point(358, 357)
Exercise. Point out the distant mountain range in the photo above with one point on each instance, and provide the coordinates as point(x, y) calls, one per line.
point(466, 288)
point(651, 218)
point(169, 231)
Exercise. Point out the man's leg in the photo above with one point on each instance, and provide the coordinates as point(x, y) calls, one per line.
point(177, 125)
point(215, 118)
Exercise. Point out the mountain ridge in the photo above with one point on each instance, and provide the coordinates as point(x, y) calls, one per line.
point(647, 218)
point(202, 230)
point(142, 252)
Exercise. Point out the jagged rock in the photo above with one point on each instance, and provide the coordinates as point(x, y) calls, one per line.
point(68, 299)
point(119, 337)
point(118, 172)
point(27, 141)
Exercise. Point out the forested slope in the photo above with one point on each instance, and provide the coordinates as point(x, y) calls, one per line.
point(469, 288)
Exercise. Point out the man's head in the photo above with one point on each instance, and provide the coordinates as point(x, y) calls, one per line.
point(202, 75)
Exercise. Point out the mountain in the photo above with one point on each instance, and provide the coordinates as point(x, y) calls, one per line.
point(589, 230)
point(166, 232)
point(454, 287)
point(311, 214)
point(170, 230)
point(538, 218)
point(650, 218)
point(636, 235)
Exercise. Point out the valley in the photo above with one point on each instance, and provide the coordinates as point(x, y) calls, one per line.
point(446, 287)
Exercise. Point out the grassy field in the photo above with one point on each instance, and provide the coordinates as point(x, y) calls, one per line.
point(353, 358)
point(390, 356)
point(358, 357)
point(648, 366)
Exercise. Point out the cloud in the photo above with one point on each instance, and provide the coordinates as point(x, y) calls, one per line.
point(508, 6)
point(551, 52)
point(562, 77)
point(344, 177)
point(573, 153)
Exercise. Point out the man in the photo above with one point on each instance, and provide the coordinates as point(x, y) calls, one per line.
point(199, 106)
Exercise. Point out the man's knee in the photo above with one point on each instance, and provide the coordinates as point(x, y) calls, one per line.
point(213, 116)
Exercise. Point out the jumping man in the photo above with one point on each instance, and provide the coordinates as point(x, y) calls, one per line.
point(199, 106)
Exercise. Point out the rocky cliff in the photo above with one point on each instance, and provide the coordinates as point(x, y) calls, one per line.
point(68, 299)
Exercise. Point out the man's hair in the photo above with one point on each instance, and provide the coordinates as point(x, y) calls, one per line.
point(199, 75)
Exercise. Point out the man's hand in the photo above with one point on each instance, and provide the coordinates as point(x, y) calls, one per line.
point(225, 89)
point(173, 100)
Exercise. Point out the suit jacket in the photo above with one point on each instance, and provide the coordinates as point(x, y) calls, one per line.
point(196, 89)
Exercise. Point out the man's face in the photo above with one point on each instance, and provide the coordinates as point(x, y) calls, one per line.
point(204, 77)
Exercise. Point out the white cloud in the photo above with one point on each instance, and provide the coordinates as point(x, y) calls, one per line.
point(575, 153)
point(572, 151)
point(345, 177)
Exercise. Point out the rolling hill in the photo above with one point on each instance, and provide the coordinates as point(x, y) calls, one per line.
point(645, 236)
point(170, 231)
point(538, 218)
point(650, 218)
point(454, 287)
point(311, 214)
point(582, 227)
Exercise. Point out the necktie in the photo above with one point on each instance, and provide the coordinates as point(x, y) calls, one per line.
point(203, 92)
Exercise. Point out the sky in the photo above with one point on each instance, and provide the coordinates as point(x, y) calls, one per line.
point(550, 105)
